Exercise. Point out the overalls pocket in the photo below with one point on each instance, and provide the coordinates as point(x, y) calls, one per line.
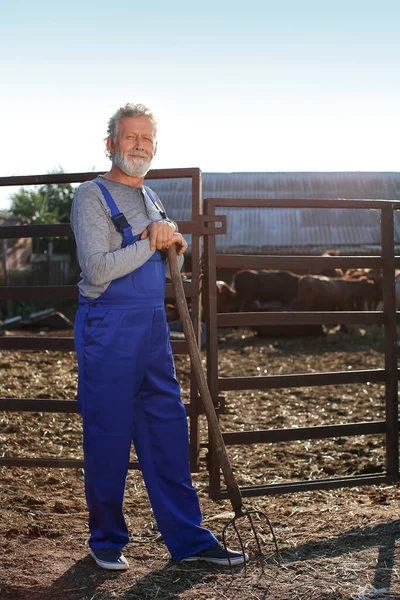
point(95, 320)
point(150, 277)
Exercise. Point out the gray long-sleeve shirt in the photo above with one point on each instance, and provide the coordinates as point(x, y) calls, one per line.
point(100, 255)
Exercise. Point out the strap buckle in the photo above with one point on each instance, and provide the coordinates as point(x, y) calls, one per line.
point(120, 222)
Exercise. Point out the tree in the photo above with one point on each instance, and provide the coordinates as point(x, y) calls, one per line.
point(60, 197)
point(48, 205)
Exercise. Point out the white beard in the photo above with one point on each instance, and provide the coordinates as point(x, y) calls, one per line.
point(138, 167)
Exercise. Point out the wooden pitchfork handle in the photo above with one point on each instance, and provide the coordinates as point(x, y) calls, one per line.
point(194, 353)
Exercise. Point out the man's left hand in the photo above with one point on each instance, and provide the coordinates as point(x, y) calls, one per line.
point(161, 235)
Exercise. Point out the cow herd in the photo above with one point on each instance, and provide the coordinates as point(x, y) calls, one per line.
point(284, 290)
point(357, 289)
point(274, 290)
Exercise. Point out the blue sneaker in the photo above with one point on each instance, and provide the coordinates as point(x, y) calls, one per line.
point(217, 555)
point(110, 558)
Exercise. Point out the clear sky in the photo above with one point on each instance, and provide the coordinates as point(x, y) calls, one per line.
point(295, 85)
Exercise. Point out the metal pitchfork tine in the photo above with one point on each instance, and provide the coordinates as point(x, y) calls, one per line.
point(215, 432)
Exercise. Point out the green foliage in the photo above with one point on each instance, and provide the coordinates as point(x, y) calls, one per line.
point(33, 207)
point(60, 198)
point(48, 205)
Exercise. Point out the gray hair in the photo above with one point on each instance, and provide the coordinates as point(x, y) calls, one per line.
point(129, 110)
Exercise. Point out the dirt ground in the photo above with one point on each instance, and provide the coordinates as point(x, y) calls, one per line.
point(341, 544)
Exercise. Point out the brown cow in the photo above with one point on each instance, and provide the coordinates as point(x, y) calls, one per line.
point(379, 284)
point(171, 311)
point(225, 302)
point(317, 292)
point(264, 286)
point(277, 331)
point(357, 274)
point(330, 272)
point(226, 297)
point(327, 271)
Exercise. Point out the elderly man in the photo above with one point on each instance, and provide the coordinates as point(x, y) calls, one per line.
point(127, 390)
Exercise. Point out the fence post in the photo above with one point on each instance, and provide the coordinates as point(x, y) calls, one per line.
point(196, 304)
point(9, 303)
point(390, 329)
point(210, 251)
point(4, 261)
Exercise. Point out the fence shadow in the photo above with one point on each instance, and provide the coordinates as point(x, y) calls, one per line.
point(383, 536)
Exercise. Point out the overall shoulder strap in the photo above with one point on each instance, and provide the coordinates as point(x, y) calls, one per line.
point(117, 217)
point(108, 198)
point(150, 195)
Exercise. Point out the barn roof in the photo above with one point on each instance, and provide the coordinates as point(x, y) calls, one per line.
point(261, 230)
point(7, 218)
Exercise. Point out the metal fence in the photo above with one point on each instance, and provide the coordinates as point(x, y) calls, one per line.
point(387, 261)
point(206, 226)
point(197, 227)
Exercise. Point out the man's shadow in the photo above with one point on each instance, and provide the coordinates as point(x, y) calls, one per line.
point(83, 580)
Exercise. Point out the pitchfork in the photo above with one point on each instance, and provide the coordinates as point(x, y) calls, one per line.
point(215, 432)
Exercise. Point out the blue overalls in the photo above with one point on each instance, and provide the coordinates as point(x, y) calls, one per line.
point(127, 391)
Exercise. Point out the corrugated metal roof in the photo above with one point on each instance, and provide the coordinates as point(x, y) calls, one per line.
point(264, 230)
point(7, 218)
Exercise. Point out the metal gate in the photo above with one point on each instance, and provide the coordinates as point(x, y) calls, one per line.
point(389, 375)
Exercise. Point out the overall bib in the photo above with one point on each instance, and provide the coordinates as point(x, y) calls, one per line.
point(127, 392)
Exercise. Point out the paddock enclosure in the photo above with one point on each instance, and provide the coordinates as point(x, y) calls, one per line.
point(315, 416)
point(204, 269)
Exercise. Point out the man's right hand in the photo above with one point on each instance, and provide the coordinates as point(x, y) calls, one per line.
point(180, 242)
point(158, 243)
point(160, 233)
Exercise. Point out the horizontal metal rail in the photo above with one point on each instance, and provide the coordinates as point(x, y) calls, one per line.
point(190, 172)
point(321, 432)
point(39, 292)
point(321, 203)
point(235, 438)
point(288, 263)
point(203, 225)
point(242, 319)
point(301, 380)
point(9, 232)
point(66, 292)
point(59, 463)
point(38, 405)
point(47, 405)
point(63, 344)
point(293, 487)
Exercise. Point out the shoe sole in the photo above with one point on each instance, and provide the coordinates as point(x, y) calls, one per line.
point(222, 562)
point(107, 565)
